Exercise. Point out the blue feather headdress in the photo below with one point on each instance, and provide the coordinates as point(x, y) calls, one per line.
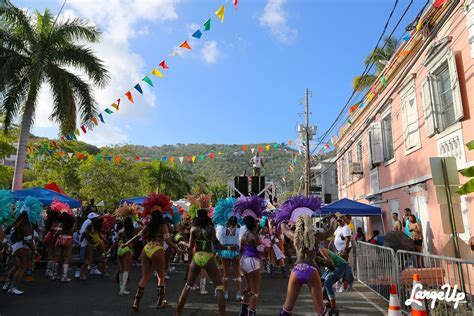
point(173, 215)
point(32, 207)
point(295, 207)
point(249, 206)
point(6, 200)
point(223, 211)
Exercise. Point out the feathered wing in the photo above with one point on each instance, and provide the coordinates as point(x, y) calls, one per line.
point(6, 201)
point(33, 207)
point(223, 211)
point(287, 208)
point(254, 203)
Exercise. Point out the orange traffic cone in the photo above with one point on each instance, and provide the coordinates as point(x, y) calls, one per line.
point(394, 304)
point(416, 309)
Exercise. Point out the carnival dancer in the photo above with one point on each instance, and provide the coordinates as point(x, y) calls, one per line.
point(63, 246)
point(172, 218)
point(27, 213)
point(277, 255)
point(90, 241)
point(6, 214)
point(52, 229)
point(203, 240)
point(155, 233)
point(228, 235)
point(251, 210)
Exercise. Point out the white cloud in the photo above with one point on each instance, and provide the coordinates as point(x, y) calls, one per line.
point(275, 18)
point(119, 21)
point(210, 53)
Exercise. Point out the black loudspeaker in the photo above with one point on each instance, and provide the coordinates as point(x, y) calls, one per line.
point(241, 184)
point(258, 184)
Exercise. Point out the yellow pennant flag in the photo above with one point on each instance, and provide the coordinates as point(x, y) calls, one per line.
point(172, 159)
point(193, 158)
point(156, 73)
point(220, 13)
point(420, 24)
point(77, 132)
point(267, 147)
point(219, 153)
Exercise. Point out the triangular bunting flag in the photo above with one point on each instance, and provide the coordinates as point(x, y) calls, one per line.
point(188, 158)
point(118, 159)
point(54, 144)
point(70, 155)
point(267, 147)
point(406, 38)
point(201, 157)
point(211, 155)
point(244, 148)
point(185, 45)
point(138, 88)
point(197, 34)
point(73, 136)
point(163, 65)
point(137, 158)
point(193, 158)
point(181, 159)
point(101, 118)
point(156, 72)
point(172, 159)
point(63, 139)
point(109, 111)
point(439, 3)
point(68, 137)
point(163, 158)
point(175, 54)
point(236, 3)
point(98, 157)
point(77, 132)
point(260, 149)
point(80, 156)
point(94, 119)
point(115, 106)
point(147, 80)
point(252, 150)
point(290, 142)
point(109, 158)
point(372, 89)
point(129, 96)
point(383, 81)
point(207, 25)
point(220, 13)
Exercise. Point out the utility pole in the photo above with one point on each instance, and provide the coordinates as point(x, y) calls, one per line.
point(308, 159)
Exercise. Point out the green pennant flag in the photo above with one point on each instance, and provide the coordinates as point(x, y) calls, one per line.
point(383, 81)
point(207, 25)
point(108, 111)
point(98, 157)
point(275, 145)
point(349, 121)
point(201, 157)
point(148, 80)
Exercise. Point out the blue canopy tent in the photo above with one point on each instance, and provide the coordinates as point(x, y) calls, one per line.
point(45, 196)
point(353, 208)
point(137, 200)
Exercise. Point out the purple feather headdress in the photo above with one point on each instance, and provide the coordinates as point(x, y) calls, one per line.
point(306, 206)
point(249, 206)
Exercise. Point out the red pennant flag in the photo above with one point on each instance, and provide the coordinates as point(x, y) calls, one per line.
point(236, 3)
point(163, 65)
point(80, 156)
point(244, 148)
point(54, 144)
point(63, 139)
point(439, 3)
point(260, 149)
point(188, 158)
point(84, 129)
point(129, 96)
point(211, 155)
point(137, 158)
point(185, 45)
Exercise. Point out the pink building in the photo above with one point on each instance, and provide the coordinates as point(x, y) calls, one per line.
point(422, 106)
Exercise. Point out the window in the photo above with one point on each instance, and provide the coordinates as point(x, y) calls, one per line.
point(387, 137)
point(359, 152)
point(349, 162)
point(411, 131)
point(343, 171)
point(441, 95)
point(327, 198)
point(375, 144)
point(334, 176)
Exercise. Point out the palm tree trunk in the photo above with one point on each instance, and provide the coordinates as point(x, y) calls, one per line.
point(26, 122)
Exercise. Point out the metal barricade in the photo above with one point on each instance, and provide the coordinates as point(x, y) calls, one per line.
point(376, 268)
point(435, 272)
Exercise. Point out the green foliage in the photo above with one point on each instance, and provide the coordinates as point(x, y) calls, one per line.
point(6, 149)
point(467, 187)
point(163, 177)
point(6, 177)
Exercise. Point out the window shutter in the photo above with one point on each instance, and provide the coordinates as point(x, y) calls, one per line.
point(430, 119)
point(456, 91)
point(376, 144)
point(405, 123)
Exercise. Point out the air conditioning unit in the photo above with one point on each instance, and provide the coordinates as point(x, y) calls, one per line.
point(355, 168)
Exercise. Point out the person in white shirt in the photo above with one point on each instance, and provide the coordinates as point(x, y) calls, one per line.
point(257, 163)
point(342, 238)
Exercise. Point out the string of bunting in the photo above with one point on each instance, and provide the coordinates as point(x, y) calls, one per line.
point(137, 89)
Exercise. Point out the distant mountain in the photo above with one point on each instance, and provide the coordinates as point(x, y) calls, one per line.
point(229, 160)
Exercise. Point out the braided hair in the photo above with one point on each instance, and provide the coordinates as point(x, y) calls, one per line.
point(304, 234)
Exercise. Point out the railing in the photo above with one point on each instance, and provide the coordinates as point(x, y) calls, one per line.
point(376, 268)
point(379, 267)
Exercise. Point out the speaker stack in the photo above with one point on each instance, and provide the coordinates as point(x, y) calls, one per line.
point(241, 184)
point(258, 184)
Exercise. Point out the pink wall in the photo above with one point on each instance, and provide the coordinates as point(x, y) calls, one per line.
point(407, 167)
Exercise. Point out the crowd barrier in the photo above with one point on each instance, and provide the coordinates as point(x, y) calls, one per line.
point(378, 267)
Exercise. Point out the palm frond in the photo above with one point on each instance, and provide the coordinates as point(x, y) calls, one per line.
point(16, 21)
point(75, 30)
point(362, 83)
point(14, 97)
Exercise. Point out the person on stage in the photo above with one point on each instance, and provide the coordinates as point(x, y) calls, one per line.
point(228, 234)
point(63, 246)
point(155, 233)
point(27, 213)
point(257, 164)
point(203, 240)
point(251, 210)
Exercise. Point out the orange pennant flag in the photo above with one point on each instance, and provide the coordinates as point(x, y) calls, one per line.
point(60, 153)
point(244, 148)
point(115, 105)
point(290, 142)
point(172, 159)
point(118, 159)
point(129, 96)
point(185, 45)
point(404, 52)
point(94, 119)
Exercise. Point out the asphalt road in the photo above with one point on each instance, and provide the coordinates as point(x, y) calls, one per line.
point(99, 296)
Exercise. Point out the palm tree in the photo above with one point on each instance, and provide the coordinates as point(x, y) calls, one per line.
point(166, 178)
point(377, 56)
point(34, 50)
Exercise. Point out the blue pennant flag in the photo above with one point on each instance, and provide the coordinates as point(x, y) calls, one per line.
point(197, 34)
point(101, 118)
point(163, 158)
point(406, 38)
point(108, 158)
point(68, 137)
point(138, 88)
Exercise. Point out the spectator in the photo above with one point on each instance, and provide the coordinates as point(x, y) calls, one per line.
point(342, 238)
point(416, 232)
point(376, 238)
point(397, 224)
point(360, 236)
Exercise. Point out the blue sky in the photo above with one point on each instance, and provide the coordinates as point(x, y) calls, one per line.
point(242, 81)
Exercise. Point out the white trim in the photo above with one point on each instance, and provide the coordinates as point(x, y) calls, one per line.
point(451, 129)
point(469, 9)
point(413, 149)
point(389, 162)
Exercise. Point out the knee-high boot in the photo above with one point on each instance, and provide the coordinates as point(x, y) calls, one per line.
point(55, 273)
point(124, 280)
point(244, 309)
point(137, 298)
point(161, 302)
point(65, 277)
